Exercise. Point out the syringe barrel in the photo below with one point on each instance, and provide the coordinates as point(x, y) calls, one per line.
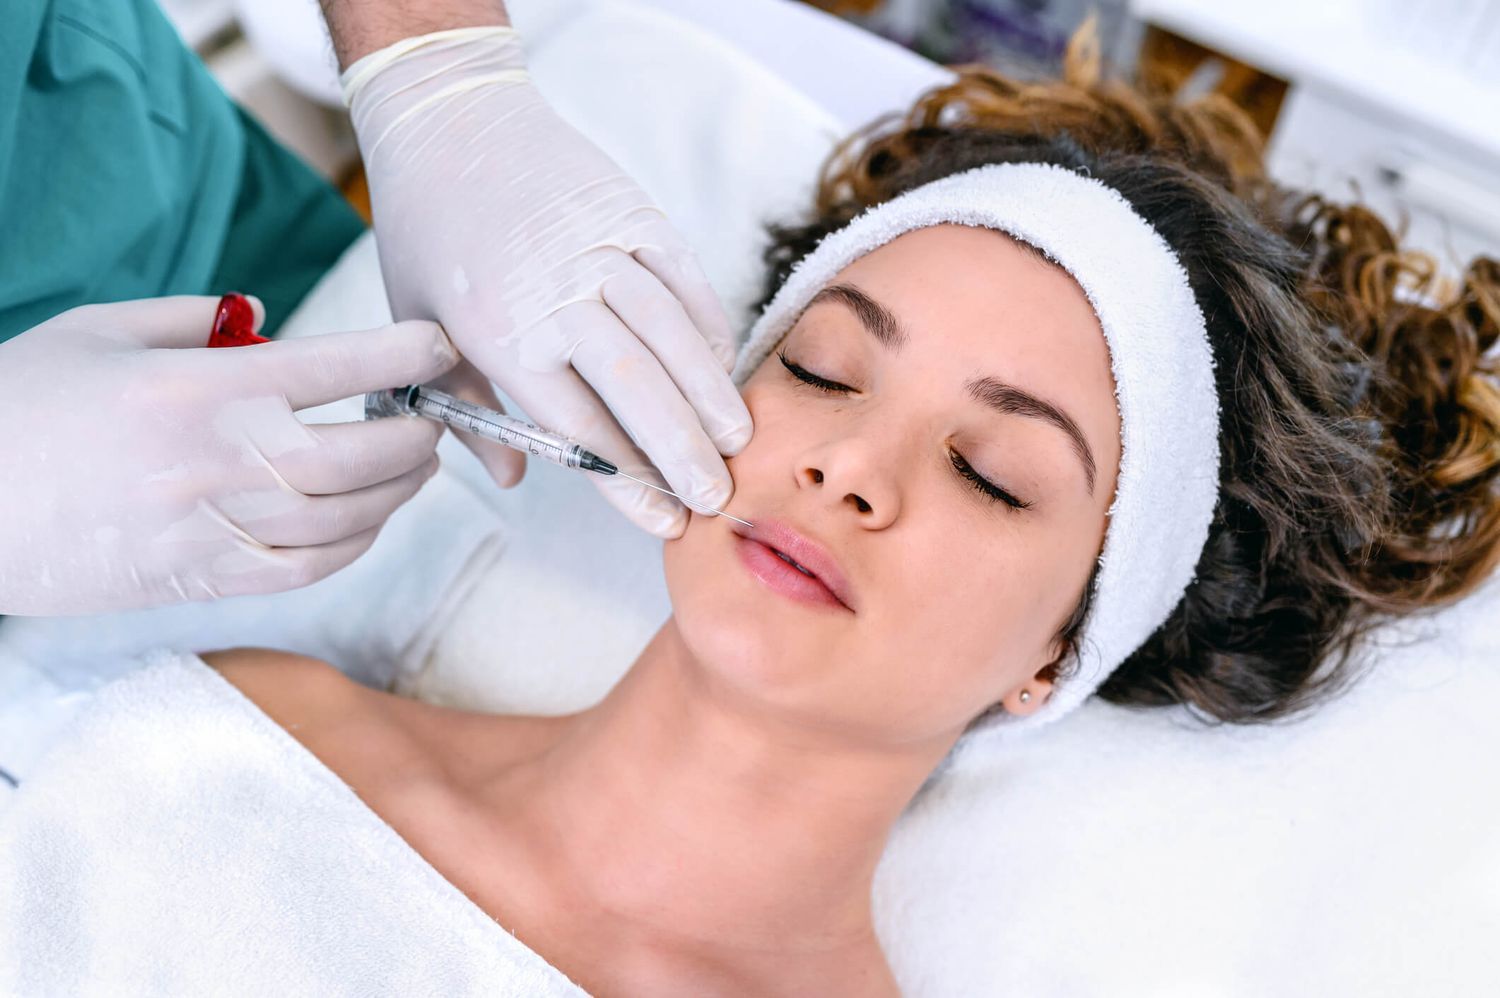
point(387, 402)
point(488, 423)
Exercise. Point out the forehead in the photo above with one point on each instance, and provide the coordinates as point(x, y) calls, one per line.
point(975, 294)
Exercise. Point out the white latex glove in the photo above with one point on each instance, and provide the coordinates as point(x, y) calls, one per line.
point(140, 471)
point(553, 272)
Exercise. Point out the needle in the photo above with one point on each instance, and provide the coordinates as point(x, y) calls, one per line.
point(689, 502)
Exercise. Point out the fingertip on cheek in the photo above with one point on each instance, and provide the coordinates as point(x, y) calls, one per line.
point(671, 524)
point(735, 440)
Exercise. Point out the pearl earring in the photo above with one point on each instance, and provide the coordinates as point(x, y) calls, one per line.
point(1025, 695)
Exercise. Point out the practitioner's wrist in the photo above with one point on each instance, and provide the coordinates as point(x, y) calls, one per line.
point(359, 27)
point(396, 84)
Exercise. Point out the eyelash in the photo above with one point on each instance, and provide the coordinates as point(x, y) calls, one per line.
point(983, 484)
point(804, 375)
point(986, 487)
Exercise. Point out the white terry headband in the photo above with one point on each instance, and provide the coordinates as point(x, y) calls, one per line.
point(1164, 387)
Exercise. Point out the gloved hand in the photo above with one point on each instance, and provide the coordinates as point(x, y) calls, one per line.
point(555, 275)
point(139, 471)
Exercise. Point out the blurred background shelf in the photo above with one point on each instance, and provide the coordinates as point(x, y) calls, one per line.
point(1395, 103)
point(265, 81)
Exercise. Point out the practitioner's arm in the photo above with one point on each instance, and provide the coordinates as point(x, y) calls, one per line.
point(557, 277)
point(359, 27)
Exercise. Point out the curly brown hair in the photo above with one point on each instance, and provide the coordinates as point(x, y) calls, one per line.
point(1360, 425)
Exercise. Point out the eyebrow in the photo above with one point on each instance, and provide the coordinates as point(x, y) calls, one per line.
point(880, 321)
point(1006, 399)
point(1010, 400)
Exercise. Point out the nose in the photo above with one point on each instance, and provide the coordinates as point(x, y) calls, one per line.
point(849, 475)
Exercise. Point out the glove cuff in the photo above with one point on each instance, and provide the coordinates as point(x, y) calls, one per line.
point(510, 69)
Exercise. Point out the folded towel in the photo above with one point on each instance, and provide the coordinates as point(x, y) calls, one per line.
point(180, 842)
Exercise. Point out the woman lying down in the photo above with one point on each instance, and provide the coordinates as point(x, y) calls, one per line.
point(1055, 395)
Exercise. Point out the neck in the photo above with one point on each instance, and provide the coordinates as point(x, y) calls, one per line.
point(680, 809)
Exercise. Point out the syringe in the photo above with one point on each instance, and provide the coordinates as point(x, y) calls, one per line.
point(504, 429)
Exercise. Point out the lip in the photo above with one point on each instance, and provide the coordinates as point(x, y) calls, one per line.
point(826, 585)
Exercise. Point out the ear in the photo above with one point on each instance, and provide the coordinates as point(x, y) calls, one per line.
point(1038, 690)
point(1039, 687)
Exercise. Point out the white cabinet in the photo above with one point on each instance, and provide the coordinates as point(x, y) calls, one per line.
point(1446, 191)
point(1395, 102)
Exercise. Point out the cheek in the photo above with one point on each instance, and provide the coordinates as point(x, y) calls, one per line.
point(724, 618)
point(972, 609)
point(774, 409)
point(698, 592)
point(784, 424)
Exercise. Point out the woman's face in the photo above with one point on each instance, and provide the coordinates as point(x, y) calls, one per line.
point(947, 472)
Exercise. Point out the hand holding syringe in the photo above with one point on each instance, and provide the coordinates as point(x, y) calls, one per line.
point(504, 429)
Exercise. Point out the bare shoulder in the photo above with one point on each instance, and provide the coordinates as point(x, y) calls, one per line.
point(385, 746)
point(295, 691)
point(361, 734)
point(414, 765)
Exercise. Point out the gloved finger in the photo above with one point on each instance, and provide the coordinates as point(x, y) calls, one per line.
point(630, 380)
point(302, 566)
point(174, 322)
point(658, 319)
point(287, 519)
point(674, 264)
point(251, 568)
point(563, 402)
point(657, 514)
point(351, 456)
point(506, 465)
point(259, 308)
point(652, 511)
point(314, 370)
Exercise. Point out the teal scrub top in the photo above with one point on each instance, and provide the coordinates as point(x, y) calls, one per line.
point(126, 172)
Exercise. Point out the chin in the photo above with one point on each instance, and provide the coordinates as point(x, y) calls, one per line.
point(746, 637)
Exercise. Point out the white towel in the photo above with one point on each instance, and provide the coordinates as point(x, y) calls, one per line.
point(180, 842)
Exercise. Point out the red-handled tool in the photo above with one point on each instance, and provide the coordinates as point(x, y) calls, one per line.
point(234, 323)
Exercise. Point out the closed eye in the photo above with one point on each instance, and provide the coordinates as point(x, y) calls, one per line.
point(804, 375)
point(984, 485)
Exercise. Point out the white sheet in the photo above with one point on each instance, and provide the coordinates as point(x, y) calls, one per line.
point(251, 870)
